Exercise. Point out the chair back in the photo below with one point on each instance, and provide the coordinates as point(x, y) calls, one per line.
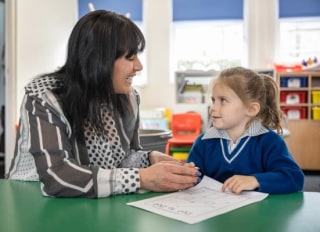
point(186, 125)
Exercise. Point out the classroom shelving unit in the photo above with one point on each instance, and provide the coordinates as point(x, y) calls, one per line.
point(300, 101)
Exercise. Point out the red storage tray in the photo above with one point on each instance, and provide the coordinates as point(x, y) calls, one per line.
point(293, 97)
point(295, 112)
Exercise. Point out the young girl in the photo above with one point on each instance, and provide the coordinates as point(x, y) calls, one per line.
point(241, 150)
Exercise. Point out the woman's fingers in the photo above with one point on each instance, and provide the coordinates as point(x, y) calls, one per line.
point(168, 176)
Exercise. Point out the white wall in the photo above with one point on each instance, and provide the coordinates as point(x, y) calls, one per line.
point(2, 82)
point(36, 39)
point(157, 16)
point(43, 29)
point(261, 33)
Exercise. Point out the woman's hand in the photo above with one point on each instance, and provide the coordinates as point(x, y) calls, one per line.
point(157, 156)
point(168, 176)
point(238, 183)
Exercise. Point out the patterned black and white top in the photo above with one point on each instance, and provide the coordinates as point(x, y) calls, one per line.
point(46, 149)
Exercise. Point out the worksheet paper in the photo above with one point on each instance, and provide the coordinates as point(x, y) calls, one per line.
point(198, 203)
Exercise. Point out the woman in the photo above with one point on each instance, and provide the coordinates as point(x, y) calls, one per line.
point(78, 128)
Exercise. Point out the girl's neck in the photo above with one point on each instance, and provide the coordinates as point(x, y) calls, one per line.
point(235, 135)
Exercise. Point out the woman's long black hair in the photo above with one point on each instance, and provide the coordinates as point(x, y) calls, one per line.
point(97, 40)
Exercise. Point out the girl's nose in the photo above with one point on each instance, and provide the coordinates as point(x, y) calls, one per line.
point(211, 109)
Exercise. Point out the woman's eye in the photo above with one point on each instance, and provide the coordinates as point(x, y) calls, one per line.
point(131, 57)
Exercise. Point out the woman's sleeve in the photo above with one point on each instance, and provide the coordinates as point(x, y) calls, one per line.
point(136, 157)
point(45, 138)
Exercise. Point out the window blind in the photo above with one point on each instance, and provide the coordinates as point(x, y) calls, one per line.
point(133, 7)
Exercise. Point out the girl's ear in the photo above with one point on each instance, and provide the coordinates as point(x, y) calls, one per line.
point(253, 109)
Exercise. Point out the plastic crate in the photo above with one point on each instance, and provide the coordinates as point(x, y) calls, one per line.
point(293, 97)
point(288, 68)
point(295, 112)
point(154, 139)
point(294, 82)
point(315, 97)
point(182, 156)
point(180, 149)
point(316, 113)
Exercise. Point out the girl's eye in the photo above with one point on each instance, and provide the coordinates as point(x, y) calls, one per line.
point(223, 100)
point(220, 100)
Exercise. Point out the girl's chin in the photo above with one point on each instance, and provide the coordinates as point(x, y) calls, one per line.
point(217, 126)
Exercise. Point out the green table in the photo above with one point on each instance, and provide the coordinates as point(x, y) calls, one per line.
point(24, 209)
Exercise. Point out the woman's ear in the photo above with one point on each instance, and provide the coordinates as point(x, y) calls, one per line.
point(253, 109)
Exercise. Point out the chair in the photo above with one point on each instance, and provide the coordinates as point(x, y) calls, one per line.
point(186, 127)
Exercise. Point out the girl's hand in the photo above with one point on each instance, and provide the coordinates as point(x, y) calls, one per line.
point(238, 183)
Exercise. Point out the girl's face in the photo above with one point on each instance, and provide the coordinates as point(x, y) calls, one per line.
point(123, 72)
point(228, 111)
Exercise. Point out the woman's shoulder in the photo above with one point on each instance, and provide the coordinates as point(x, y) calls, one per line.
point(42, 84)
point(136, 95)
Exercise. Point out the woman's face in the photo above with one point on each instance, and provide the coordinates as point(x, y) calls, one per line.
point(124, 71)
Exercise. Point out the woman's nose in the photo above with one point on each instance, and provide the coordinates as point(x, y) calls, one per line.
point(138, 65)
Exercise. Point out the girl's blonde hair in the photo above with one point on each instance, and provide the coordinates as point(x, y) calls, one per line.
point(253, 87)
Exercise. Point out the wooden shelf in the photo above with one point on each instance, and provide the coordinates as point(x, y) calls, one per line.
point(303, 142)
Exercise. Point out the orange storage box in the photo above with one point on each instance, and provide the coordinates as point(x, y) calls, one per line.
point(288, 68)
point(186, 127)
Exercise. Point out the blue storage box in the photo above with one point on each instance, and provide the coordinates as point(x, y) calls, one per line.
point(294, 82)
